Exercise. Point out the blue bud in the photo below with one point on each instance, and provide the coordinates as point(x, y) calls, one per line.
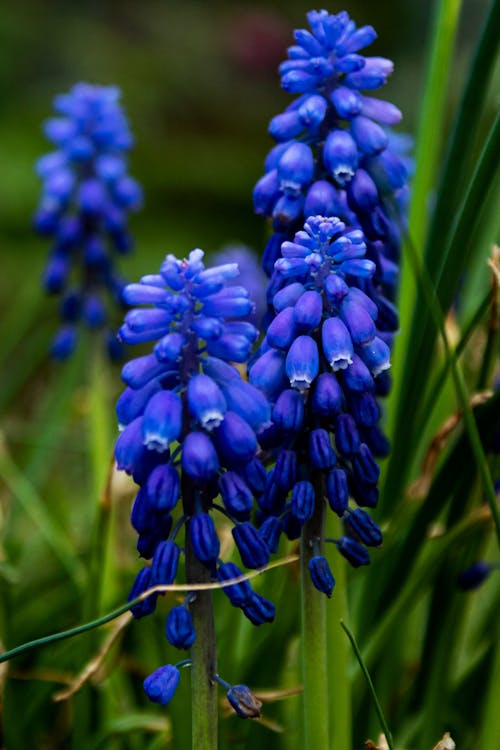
point(206, 401)
point(369, 136)
point(348, 103)
point(165, 563)
point(162, 487)
point(358, 320)
point(235, 440)
point(138, 372)
point(236, 495)
point(259, 610)
point(219, 370)
point(265, 193)
point(253, 550)
point(169, 348)
point(353, 552)
point(321, 453)
point(268, 373)
point(340, 156)
point(337, 344)
point(364, 408)
point(383, 112)
point(142, 515)
point(373, 75)
point(327, 398)
point(337, 491)
point(248, 402)
point(336, 288)
point(244, 702)
point(312, 112)
point(270, 532)
point(162, 684)
point(285, 126)
point(347, 438)
point(365, 466)
point(285, 470)
point(255, 475)
point(474, 576)
point(376, 356)
point(199, 457)
point(129, 447)
point(287, 209)
point(204, 538)
point(302, 362)
point(288, 296)
point(141, 584)
point(308, 311)
point(179, 628)
point(321, 575)
point(281, 331)
point(360, 524)
point(288, 411)
point(357, 377)
point(162, 421)
point(302, 501)
point(239, 594)
point(64, 343)
point(362, 192)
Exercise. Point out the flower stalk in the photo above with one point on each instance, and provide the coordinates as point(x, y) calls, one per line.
point(314, 642)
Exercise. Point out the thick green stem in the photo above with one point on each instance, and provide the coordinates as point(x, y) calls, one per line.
point(204, 713)
point(314, 642)
point(338, 653)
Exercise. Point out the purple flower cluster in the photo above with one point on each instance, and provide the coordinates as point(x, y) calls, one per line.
point(336, 155)
point(318, 365)
point(86, 197)
point(189, 424)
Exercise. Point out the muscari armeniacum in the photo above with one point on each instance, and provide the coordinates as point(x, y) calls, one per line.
point(189, 424)
point(336, 154)
point(318, 365)
point(86, 196)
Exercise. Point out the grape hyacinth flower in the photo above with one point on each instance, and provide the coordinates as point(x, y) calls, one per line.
point(336, 154)
point(86, 196)
point(189, 424)
point(318, 365)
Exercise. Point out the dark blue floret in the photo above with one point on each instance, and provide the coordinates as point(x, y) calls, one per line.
point(204, 538)
point(162, 684)
point(86, 196)
point(473, 577)
point(252, 548)
point(165, 562)
point(141, 584)
point(179, 628)
point(354, 552)
point(259, 610)
point(361, 525)
point(239, 594)
point(244, 702)
point(321, 574)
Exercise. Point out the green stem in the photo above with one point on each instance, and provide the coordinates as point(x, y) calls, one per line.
point(314, 641)
point(378, 707)
point(340, 709)
point(204, 709)
point(490, 725)
point(99, 590)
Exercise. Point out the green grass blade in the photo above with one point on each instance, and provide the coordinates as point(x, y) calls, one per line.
point(371, 687)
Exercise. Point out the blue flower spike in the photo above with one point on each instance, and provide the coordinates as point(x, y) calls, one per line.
point(189, 433)
point(323, 420)
point(86, 197)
